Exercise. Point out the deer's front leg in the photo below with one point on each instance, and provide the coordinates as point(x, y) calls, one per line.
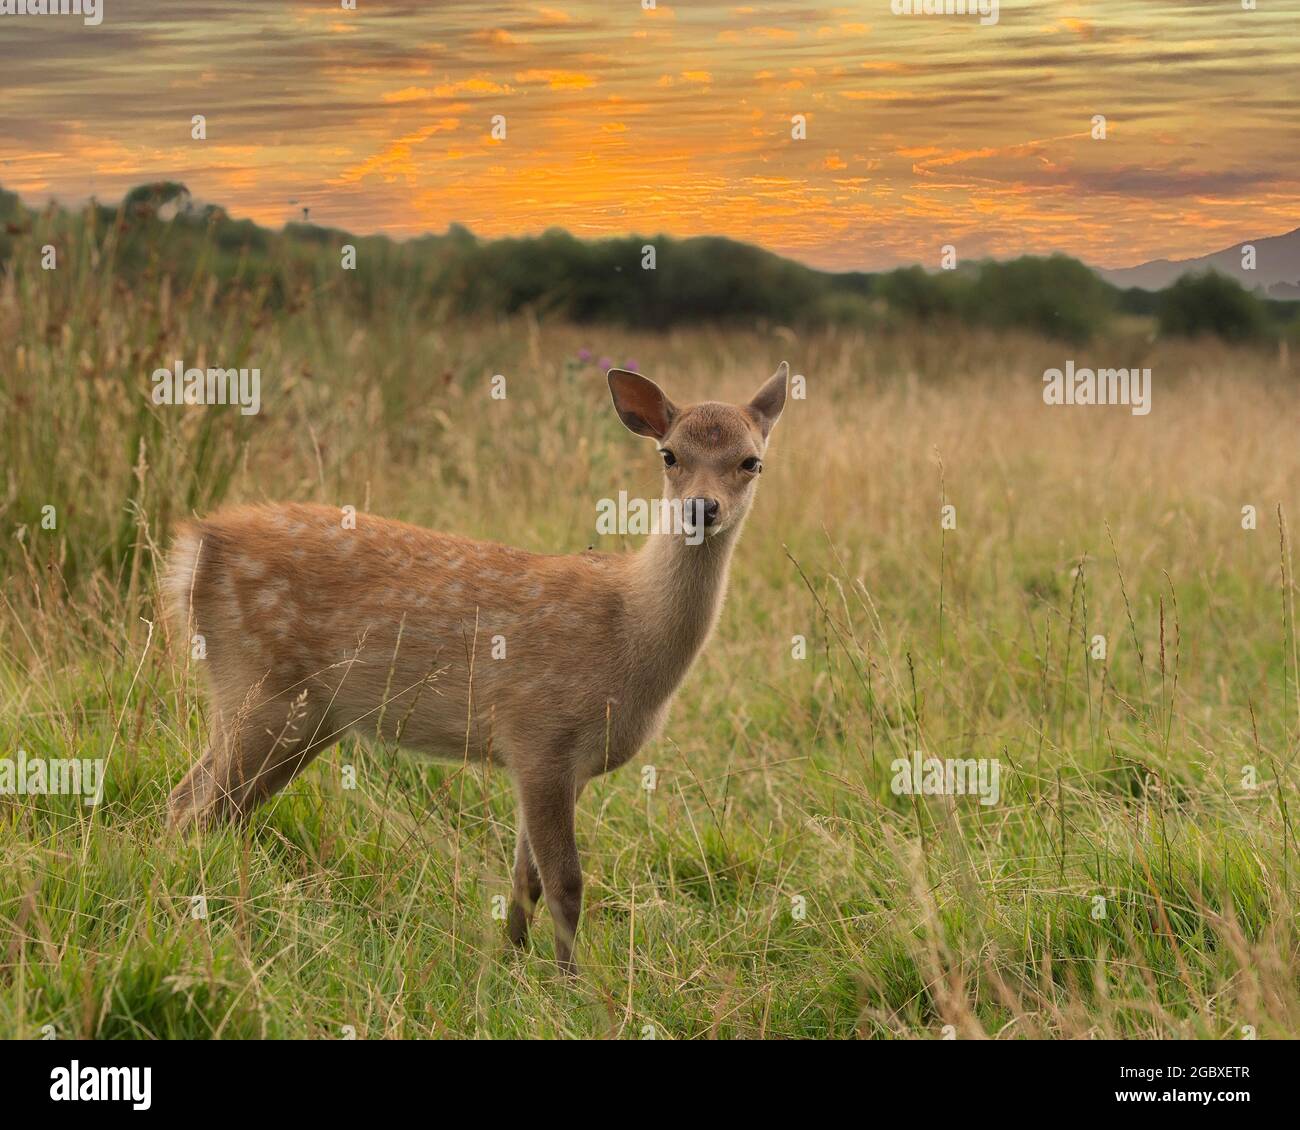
point(549, 820)
point(526, 887)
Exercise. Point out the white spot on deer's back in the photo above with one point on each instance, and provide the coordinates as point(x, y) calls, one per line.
point(250, 568)
point(272, 596)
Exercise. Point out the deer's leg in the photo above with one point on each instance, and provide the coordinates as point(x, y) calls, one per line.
point(195, 799)
point(248, 762)
point(549, 820)
point(526, 887)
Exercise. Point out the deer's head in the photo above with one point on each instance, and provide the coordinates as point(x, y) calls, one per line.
point(712, 452)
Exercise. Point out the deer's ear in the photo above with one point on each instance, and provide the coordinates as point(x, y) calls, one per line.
point(765, 408)
point(641, 404)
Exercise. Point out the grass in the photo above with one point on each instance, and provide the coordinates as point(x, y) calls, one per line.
point(1128, 883)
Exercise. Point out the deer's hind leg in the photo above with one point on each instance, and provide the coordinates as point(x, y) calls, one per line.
point(250, 758)
point(196, 798)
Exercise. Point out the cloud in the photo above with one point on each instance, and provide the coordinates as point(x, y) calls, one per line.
point(557, 80)
point(408, 94)
point(470, 86)
point(495, 37)
point(396, 160)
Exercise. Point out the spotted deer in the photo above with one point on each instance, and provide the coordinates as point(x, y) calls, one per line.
point(315, 625)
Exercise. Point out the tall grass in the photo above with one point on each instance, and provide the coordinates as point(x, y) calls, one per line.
point(772, 884)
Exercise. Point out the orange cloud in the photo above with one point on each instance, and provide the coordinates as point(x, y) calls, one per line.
point(396, 159)
point(496, 36)
point(407, 94)
point(774, 33)
point(469, 86)
point(557, 80)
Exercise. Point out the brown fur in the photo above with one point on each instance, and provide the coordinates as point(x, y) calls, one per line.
point(313, 629)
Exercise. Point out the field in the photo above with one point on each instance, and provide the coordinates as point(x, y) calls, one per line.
point(1136, 878)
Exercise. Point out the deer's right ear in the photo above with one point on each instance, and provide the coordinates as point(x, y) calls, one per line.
point(641, 404)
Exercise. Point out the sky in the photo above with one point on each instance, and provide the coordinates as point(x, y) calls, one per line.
point(921, 130)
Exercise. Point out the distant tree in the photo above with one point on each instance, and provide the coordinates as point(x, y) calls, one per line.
point(917, 293)
point(1211, 303)
point(147, 199)
point(1057, 296)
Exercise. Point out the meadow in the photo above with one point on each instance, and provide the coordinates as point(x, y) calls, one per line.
point(1135, 880)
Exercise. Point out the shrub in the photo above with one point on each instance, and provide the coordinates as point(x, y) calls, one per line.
point(1211, 304)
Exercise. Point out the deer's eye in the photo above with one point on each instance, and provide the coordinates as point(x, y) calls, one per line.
point(752, 465)
point(670, 460)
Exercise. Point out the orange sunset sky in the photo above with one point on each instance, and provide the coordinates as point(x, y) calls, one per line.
point(921, 130)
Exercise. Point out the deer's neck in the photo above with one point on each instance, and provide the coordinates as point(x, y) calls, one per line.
point(676, 595)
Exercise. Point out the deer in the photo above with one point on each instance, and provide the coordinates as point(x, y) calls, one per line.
point(316, 625)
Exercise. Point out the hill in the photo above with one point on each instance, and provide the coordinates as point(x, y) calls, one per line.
point(1276, 268)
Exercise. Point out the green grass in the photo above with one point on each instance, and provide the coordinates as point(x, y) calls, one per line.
point(772, 885)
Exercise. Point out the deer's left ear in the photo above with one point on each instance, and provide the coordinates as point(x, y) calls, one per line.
point(765, 408)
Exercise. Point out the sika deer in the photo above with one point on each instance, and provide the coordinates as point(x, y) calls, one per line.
point(312, 629)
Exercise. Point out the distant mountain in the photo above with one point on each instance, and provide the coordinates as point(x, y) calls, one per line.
point(1277, 267)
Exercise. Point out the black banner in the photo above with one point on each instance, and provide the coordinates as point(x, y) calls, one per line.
point(340, 1077)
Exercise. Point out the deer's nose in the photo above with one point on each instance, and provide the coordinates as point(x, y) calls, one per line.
point(707, 507)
